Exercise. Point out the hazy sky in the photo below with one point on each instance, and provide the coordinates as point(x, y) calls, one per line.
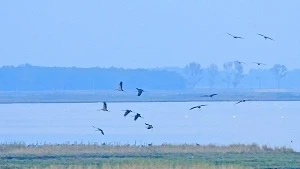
point(148, 34)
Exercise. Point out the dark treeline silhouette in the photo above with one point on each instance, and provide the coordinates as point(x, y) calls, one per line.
point(34, 78)
point(230, 75)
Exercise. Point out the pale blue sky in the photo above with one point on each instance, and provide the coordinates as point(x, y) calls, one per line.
point(148, 34)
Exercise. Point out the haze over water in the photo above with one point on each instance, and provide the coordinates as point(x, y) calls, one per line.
point(270, 123)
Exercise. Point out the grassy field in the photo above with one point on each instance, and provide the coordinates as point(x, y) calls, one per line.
point(17, 155)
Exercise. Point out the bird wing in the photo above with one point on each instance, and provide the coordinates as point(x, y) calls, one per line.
point(102, 131)
point(193, 107)
point(213, 95)
point(104, 106)
point(135, 117)
point(238, 102)
point(147, 124)
point(261, 35)
point(269, 38)
point(203, 105)
point(126, 113)
point(121, 86)
point(230, 34)
point(140, 91)
point(205, 96)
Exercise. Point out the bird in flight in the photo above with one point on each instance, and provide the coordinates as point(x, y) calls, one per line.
point(199, 107)
point(148, 126)
point(121, 87)
point(140, 91)
point(104, 107)
point(210, 95)
point(137, 116)
point(241, 101)
point(239, 62)
point(258, 63)
point(235, 37)
point(98, 129)
point(266, 37)
point(127, 112)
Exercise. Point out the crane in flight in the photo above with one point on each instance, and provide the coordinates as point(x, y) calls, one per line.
point(140, 91)
point(98, 129)
point(199, 107)
point(266, 37)
point(235, 37)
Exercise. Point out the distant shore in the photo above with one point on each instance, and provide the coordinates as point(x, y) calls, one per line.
point(7, 97)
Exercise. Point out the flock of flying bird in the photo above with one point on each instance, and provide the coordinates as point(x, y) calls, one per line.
point(140, 91)
point(127, 111)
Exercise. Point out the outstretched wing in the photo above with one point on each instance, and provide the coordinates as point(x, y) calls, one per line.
point(121, 86)
point(126, 112)
point(239, 102)
point(212, 95)
point(101, 131)
point(104, 106)
point(147, 124)
point(140, 91)
point(270, 38)
point(203, 105)
point(193, 107)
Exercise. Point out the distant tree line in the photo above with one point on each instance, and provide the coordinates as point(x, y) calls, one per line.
point(231, 75)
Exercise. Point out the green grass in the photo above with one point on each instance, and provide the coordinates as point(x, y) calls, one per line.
point(17, 155)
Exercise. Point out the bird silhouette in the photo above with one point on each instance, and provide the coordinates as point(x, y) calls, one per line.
point(235, 37)
point(137, 116)
point(258, 63)
point(121, 86)
point(241, 101)
point(199, 107)
point(127, 112)
point(98, 129)
point(210, 95)
point(239, 62)
point(148, 126)
point(140, 91)
point(104, 107)
point(266, 37)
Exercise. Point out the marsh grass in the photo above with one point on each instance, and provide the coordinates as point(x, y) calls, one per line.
point(166, 156)
point(95, 148)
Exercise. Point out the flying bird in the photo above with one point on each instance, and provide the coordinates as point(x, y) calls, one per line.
point(199, 107)
point(258, 63)
point(104, 106)
point(266, 37)
point(235, 37)
point(211, 95)
point(127, 112)
point(239, 62)
point(137, 116)
point(98, 129)
point(148, 126)
point(140, 91)
point(242, 101)
point(121, 86)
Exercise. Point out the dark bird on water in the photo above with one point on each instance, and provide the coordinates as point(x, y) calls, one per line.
point(148, 126)
point(121, 86)
point(137, 116)
point(104, 107)
point(211, 95)
point(127, 112)
point(199, 107)
point(235, 37)
point(258, 63)
point(140, 91)
point(98, 129)
point(242, 101)
point(266, 37)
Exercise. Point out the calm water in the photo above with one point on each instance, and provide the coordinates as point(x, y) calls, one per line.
point(271, 123)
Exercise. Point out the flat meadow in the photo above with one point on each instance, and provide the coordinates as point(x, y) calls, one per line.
point(165, 156)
